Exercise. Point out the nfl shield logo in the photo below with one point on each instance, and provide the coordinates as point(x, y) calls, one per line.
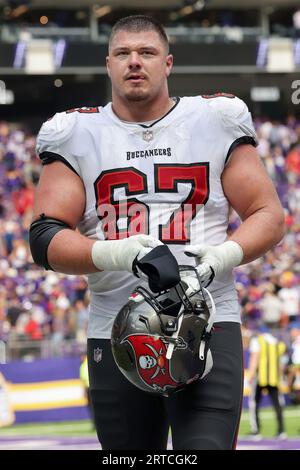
point(148, 135)
point(97, 355)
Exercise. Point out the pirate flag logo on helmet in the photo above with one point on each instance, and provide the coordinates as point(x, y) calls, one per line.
point(152, 365)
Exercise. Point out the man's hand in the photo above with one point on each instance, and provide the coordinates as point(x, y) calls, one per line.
point(215, 260)
point(119, 255)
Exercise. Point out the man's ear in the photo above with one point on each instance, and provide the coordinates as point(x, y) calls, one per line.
point(107, 66)
point(169, 64)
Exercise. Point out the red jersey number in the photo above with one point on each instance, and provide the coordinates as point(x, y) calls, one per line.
point(167, 178)
point(123, 218)
point(133, 213)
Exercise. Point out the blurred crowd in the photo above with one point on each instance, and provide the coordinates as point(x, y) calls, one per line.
point(34, 304)
point(37, 304)
point(269, 288)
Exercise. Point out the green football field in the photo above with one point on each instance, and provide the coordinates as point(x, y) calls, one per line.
point(268, 422)
point(85, 428)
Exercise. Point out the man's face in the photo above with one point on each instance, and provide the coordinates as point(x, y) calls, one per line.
point(138, 65)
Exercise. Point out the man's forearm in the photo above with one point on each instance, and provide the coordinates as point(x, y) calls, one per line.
point(259, 233)
point(69, 252)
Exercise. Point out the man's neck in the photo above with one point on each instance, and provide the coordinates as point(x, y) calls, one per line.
point(140, 111)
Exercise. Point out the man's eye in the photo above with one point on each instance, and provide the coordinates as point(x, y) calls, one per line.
point(147, 53)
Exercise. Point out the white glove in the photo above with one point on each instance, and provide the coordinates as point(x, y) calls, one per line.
point(191, 281)
point(215, 260)
point(119, 255)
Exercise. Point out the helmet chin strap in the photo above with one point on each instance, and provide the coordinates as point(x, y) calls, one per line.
point(209, 324)
point(175, 335)
point(213, 310)
point(207, 330)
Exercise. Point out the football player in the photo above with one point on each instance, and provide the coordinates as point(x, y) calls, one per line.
point(148, 169)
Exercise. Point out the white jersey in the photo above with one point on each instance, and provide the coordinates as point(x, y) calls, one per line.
point(163, 178)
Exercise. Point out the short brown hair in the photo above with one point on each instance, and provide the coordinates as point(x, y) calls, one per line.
point(138, 24)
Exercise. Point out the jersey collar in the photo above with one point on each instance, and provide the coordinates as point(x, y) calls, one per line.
point(115, 118)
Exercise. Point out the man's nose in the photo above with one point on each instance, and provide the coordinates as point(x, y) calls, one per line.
point(134, 60)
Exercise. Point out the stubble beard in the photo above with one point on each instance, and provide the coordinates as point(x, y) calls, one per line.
point(135, 96)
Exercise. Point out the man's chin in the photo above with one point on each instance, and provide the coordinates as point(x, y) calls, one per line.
point(137, 96)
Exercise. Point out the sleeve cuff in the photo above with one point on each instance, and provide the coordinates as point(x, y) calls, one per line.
point(241, 140)
point(50, 157)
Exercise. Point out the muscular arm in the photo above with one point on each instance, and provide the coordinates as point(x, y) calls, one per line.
point(252, 195)
point(60, 194)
